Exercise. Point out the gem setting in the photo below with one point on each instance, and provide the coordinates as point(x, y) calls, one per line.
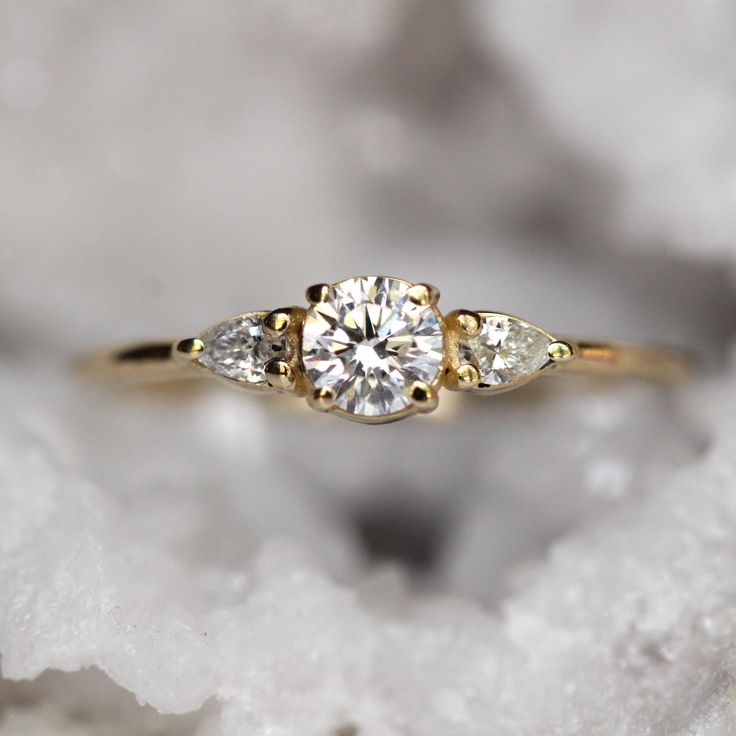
point(239, 349)
point(369, 342)
point(506, 350)
point(374, 349)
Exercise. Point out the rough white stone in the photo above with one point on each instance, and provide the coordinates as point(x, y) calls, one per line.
point(620, 88)
point(641, 599)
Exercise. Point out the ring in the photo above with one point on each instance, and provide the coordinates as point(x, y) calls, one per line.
point(377, 349)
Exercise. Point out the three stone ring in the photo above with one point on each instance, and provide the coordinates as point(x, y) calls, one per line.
point(377, 349)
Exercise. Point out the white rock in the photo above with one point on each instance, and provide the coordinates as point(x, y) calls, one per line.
point(644, 92)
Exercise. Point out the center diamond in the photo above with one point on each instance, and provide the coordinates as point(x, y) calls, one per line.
point(367, 342)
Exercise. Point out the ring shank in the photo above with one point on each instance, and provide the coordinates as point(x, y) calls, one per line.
point(155, 361)
point(651, 362)
point(139, 362)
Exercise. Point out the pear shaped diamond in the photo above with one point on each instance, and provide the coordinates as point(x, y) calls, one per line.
point(506, 350)
point(239, 349)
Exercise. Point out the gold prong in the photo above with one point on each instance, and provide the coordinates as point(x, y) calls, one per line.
point(424, 295)
point(423, 396)
point(471, 322)
point(188, 349)
point(468, 376)
point(321, 399)
point(318, 293)
point(276, 323)
point(560, 351)
point(279, 375)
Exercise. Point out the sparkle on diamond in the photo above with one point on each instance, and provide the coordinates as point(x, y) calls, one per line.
point(239, 349)
point(506, 350)
point(368, 342)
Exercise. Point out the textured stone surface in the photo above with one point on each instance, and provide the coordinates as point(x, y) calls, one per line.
point(674, 177)
point(640, 596)
point(558, 560)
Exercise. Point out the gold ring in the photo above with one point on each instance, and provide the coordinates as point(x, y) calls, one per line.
point(377, 349)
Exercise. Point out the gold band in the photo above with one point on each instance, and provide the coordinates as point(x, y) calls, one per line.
point(157, 361)
point(651, 362)
point(376, 349)
point(141, 362)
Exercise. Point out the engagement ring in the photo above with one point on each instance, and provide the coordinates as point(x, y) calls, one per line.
point(377, 349)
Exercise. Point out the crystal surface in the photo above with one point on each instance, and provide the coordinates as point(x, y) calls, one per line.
point(367, 341)
point(506, 350)
point(239, 349)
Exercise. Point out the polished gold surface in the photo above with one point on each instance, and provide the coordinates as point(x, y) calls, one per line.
point(277, 322)
point(650, 362)
point(424, 295)
point(560, 351)
point(279, 375)
point(468, 321)
point(317, 293)
point(188, 349)
point(468, 376)
point(423, 397)
point(163, 360)
point(321, 399)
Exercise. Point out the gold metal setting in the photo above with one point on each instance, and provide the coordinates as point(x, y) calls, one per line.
point(188, 349)
point(468, 376)
point(318, 293)
point(423, 397)
point(461, 330)
point(279, 375)
point(277, 322)
point(321, 399)
point(469, 322)
point(560, 351)
point(424, 295)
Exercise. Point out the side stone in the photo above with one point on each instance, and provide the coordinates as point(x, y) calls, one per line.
point(506, 350)
point(239, 349)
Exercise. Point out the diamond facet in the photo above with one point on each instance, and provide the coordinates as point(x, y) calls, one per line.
point(239, 349)
point(368, 342)
point(506, 350)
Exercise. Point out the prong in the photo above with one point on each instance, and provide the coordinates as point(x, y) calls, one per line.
point(423, 397)
point(321, 399)
point(276, 323)
point(318, 293)
point(279, 375)
point(424, 295)
point(470, 322)
point(560, 351)
point(468, 376)
point(188, 349)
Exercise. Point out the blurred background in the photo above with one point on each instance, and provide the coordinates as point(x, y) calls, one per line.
point(166, 164)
